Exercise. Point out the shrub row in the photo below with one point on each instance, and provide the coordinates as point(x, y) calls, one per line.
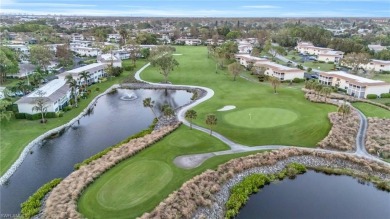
point(105, 151)
point(32, 206)
point(200, 190)
point(372, 96)
point(240, 193)
point(62, 201)
point(35, 116)
point(385, 95)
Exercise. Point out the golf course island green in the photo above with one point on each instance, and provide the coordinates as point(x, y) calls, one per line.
point(111, 194)
point(260, 117)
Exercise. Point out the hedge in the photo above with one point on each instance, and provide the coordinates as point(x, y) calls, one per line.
point(105, 151)
point(385, 95)
point(298, 80)
point(372, 96)
point(35, 116)
point(33, 204)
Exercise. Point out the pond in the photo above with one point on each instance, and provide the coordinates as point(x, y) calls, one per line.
point(111, 121)
point(317, 195)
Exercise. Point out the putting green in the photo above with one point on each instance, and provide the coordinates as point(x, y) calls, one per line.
point(260, 117)
point(118, 193)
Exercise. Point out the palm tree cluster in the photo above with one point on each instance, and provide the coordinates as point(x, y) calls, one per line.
point(319, 89)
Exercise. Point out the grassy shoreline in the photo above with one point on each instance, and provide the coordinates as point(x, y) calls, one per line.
point(27, 130)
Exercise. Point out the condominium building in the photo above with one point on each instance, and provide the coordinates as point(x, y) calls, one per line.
point(354, 85)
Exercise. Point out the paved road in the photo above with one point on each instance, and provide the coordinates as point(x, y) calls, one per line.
point(194, 160)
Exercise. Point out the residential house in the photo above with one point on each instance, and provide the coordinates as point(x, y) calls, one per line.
point(376, 65)
point(114, 37)
point(80, 43)
point(354, 85)
point(76, 37)
point(245, 48)
point(309, 48)
point(109, 59)
point(189, 42)
point(330, 56)
point(53, 47)
point(86, 51)
point(56, 94)
point(95, 71)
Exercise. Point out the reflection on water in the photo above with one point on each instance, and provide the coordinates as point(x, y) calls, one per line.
point(111, 121)
point(316, 195)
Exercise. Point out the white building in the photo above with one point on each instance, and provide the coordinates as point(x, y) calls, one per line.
point(19, 48)
point(122, 54)
point(53, 47)
point(283, 73)
point(56, 94)
point(95, 71)
point(246, 59)
point(76, 36)
point(109, 59)
point(309, 48)
point(80, 43)
point(376, 65)
point(86, 51)
point(245, 48)
point(189, 42)
point(330, 56)
point(356, 86)
point(114, 37)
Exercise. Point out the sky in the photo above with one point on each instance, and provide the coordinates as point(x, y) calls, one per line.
point(201, 8)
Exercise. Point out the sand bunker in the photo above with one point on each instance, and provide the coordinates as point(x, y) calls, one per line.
point(226, 108)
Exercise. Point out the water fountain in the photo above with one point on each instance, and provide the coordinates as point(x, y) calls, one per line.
point(129, 97)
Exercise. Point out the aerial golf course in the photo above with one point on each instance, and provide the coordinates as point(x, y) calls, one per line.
point(261, 117)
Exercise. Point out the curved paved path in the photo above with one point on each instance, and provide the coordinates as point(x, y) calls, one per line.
point(195, 160)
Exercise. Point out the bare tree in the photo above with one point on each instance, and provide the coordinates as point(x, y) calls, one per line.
point(354, 59)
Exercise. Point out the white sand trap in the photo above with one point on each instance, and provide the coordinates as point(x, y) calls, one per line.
point(226, 108)
point(177, 54)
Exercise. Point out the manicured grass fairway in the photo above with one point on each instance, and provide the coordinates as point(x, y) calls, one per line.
point(301, 123)
point(195, 68)
point(372, 111)
point(16, 134)
point(138, 184)
point(259, 117)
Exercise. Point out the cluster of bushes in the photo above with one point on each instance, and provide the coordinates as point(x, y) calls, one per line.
point(105, 151)
point(32, 206)
point(385, 95)
point(372, 96)
point(378, 136)
point(342, 136)
point(129, 67)
point(240, 193)
point(62, 201)
point(200, 190)
point(36, 116)
point(298, 80)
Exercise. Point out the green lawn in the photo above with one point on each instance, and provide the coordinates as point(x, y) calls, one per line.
point(195, 68)
point(138, 184)
point(322, 66)
point(372, 111)
point(382, 77)
point(16, 134)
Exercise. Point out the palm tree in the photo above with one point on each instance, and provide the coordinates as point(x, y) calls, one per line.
point(190, 115)
point(73, 85)
point(37, 78)
point(21, 85)
point(148, 102)
point(344, 109)
point(211, 120)
point(84, 76)
point(168, 111)
point(40, 104)
point(317, 88)
point(274, 82)
point(326, 91)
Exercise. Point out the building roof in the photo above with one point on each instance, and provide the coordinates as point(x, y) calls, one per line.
point(53, 90)
point(376, 47)
point(108, 58)
point(354, 78)
point(331, 53)
point(382, 62)
point(88, 68)
point(282, 68)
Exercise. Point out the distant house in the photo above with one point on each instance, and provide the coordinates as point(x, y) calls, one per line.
point(86, 51)
point(56, 93)
point(53, 47)
point(95, 71)
point(122, 54)
point(20, 48)
point(189, 42)
point(80, 43)
point(377, 65)
point(376, 48)
point(330, 56)
point(109, 59)
point(309, 48)
point(245, 48)
point(25, 69)
point(354, 85)
point(114, 37)
point(76, 36)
